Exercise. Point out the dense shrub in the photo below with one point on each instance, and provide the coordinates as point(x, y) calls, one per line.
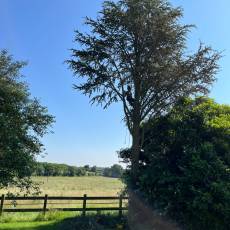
point(94, 222)
point(185, 164)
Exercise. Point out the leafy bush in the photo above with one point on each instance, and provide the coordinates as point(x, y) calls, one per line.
point(95, 222)
point(185, 164)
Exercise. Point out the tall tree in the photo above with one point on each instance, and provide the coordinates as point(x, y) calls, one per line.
point(22, 122)
point(136, 53)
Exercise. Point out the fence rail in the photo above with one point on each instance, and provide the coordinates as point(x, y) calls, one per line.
point(120, 204)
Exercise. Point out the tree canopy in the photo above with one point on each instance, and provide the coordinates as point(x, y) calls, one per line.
point(136, 53)
point(53, 169)
point(23, 121)
point(185, 166)
point(115, 171)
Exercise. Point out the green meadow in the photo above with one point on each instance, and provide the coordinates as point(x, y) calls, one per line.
point(77, 186)
point(63, 186)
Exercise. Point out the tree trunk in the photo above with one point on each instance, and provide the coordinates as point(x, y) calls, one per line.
point(136, 148)
point(135, 152)
point(141, 216)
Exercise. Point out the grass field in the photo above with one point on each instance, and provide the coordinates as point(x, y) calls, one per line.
point(54, 220)
point(43, 225)
point(91, 222)
point(61, 186)
point(78, 186)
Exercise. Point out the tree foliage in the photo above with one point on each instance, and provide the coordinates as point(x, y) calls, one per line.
point(53, 169)
point(23, 121)
point(136, 53)
point(115, 171)
point(185, 166)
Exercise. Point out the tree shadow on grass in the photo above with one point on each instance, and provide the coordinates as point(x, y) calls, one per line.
point(91, 222)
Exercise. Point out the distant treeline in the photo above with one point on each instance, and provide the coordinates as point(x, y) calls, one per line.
point(53, 169)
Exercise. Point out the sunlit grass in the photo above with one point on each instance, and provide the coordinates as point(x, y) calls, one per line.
point(66, 186)
point(52, 215)
point(61, 186)
point(62, 221)
point(77, 186)
point(28, 226)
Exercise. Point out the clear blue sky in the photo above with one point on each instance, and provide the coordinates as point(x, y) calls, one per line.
point(42, 31)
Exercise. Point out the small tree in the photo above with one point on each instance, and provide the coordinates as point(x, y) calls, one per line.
point(136, 53)
point(22, 122)
point(115, 171)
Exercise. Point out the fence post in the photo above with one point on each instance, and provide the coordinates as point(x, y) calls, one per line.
point(2, 203)
point(120, 206)
point(45, 204)
point(84, 204)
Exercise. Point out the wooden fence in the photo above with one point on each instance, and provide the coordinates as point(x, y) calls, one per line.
point(119, 204)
